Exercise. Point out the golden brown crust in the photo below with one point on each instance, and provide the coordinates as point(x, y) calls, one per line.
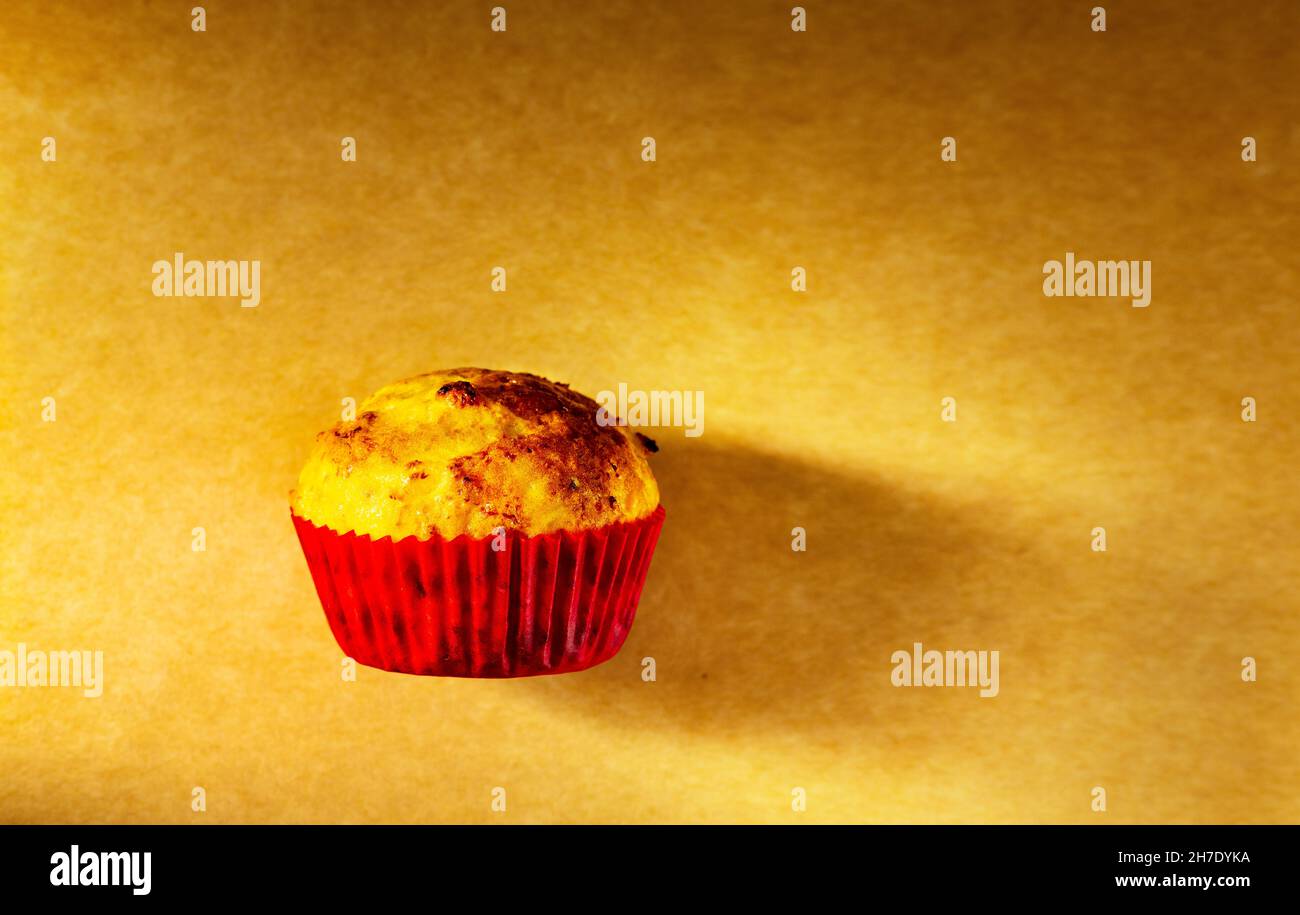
point(469, 451)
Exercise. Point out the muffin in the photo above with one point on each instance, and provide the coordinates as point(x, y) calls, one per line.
point(475, 523)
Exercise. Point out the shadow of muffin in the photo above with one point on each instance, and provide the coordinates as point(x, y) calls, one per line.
point(743, 630)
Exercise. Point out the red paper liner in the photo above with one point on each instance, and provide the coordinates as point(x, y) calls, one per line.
point(547, 604)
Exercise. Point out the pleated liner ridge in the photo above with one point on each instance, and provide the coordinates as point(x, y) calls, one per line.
point(548, 604)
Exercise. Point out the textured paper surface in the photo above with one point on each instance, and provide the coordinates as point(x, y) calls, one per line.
point(774, 150)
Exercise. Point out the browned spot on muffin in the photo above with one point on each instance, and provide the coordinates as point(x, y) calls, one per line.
point(461, 393)
point(650, 444)
point(578, 467)
point(526, 396)
point(352, 443)
point(420, 475)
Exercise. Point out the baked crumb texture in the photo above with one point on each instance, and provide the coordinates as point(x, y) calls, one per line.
point(468, 451)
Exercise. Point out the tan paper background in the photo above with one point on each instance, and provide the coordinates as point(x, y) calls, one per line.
point(775, 149)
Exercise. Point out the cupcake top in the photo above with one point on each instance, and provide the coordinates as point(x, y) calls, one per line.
point(467, 451)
